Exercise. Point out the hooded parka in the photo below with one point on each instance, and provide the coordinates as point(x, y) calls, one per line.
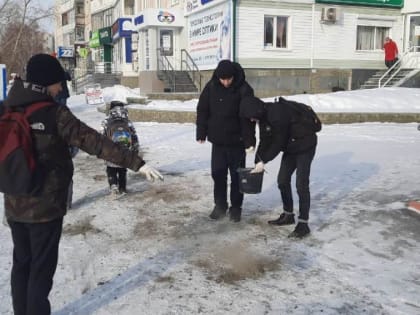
point(218, 112)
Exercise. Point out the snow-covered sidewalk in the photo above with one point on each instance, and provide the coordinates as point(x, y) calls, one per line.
point(155, 251)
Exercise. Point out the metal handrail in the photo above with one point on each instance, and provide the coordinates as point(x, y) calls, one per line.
point(165, 67)
point(190, 67)
point(396, 67)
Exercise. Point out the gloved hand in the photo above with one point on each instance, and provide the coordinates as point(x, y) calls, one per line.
point(150, 173)
point(249, 150)
point(259, 167)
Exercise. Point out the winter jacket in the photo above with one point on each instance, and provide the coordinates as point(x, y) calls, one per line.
point(391, 50)
point(275, 122)
point(218, 112)
point(61, 129)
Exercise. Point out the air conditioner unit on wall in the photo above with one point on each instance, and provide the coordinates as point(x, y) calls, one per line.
point(330, 14)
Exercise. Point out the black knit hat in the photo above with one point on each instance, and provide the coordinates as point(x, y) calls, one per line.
point(225, 69)
point(44, 70)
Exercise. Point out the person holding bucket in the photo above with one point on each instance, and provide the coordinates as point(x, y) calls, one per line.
point(218, 121)
point(278, 124)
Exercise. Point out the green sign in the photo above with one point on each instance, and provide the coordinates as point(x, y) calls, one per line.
point(105, 37)
point(376, 3)
point(94, 40)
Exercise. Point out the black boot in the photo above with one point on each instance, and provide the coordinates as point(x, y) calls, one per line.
point(301, 230)
point(217, 213)
point(235, 214)
point(284, 219)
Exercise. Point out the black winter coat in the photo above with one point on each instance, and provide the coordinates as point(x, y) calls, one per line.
point(275, 121)
point(62, 129)
point(218, 112)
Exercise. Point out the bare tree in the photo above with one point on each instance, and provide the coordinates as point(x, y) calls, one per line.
point(21, 36)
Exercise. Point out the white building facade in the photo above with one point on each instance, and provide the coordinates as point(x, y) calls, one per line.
point(284, 46)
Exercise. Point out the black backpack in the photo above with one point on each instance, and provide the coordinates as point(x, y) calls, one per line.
point(119, 131)
point(18, 164)
point(304, 121)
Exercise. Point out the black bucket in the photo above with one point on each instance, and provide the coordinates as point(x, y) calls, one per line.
point(250, 183)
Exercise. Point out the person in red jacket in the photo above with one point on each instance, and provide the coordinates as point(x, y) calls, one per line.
point(391, 52)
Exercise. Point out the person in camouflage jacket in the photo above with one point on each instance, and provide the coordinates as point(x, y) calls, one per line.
point(36, 220)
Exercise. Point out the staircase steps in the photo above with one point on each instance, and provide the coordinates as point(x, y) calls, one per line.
point(182, 81)
point(373, 82)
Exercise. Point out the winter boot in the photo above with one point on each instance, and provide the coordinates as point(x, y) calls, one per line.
point(235, 214)
point(301, 230)
point(286, 218)
point(218, 213)
point(114, 191)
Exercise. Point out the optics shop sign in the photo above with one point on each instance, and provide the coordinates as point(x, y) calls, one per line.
point(209, 35)
point(376, 3)
point(159, 17)
point(65, 52)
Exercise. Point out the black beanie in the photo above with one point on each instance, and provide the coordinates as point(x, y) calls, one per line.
point(44, 70)
point(225, 69)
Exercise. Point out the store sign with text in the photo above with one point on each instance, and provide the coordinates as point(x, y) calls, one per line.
point(209, 36)
point(65, 52)
point(376, 3)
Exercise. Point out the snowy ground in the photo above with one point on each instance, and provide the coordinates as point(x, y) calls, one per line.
point(155, 251)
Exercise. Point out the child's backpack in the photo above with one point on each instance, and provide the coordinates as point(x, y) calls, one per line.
point(18, 164)
point(118, 130)
point(304, 121)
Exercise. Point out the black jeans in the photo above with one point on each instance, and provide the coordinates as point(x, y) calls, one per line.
point(35, 256)
point(302, 164)
point(224, 158)
point(117, 176)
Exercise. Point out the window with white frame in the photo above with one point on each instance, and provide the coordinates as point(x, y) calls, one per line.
point(275, 31)
point(371, 37)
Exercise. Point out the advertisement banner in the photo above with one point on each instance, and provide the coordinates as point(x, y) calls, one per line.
point(376, 3)
point(94, 94)
point(209, 36)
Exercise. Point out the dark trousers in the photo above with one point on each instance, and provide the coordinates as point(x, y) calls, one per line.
point(224, 158)
point(35, 256)
point(301, 163)
point(390, 63)
point(117, 176)
point(70, 195)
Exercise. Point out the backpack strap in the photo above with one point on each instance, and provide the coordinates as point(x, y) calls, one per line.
point(29, 110)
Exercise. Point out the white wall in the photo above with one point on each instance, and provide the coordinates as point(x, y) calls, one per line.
point(334, 45)
point(411, 6)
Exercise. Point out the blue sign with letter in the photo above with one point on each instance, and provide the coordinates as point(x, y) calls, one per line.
point(65, 52)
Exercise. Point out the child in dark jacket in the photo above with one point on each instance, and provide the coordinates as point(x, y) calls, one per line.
point(119, 129)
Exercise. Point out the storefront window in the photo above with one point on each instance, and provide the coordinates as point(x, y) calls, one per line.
point(371, 37)
point(414, 37)
point(275, 31)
